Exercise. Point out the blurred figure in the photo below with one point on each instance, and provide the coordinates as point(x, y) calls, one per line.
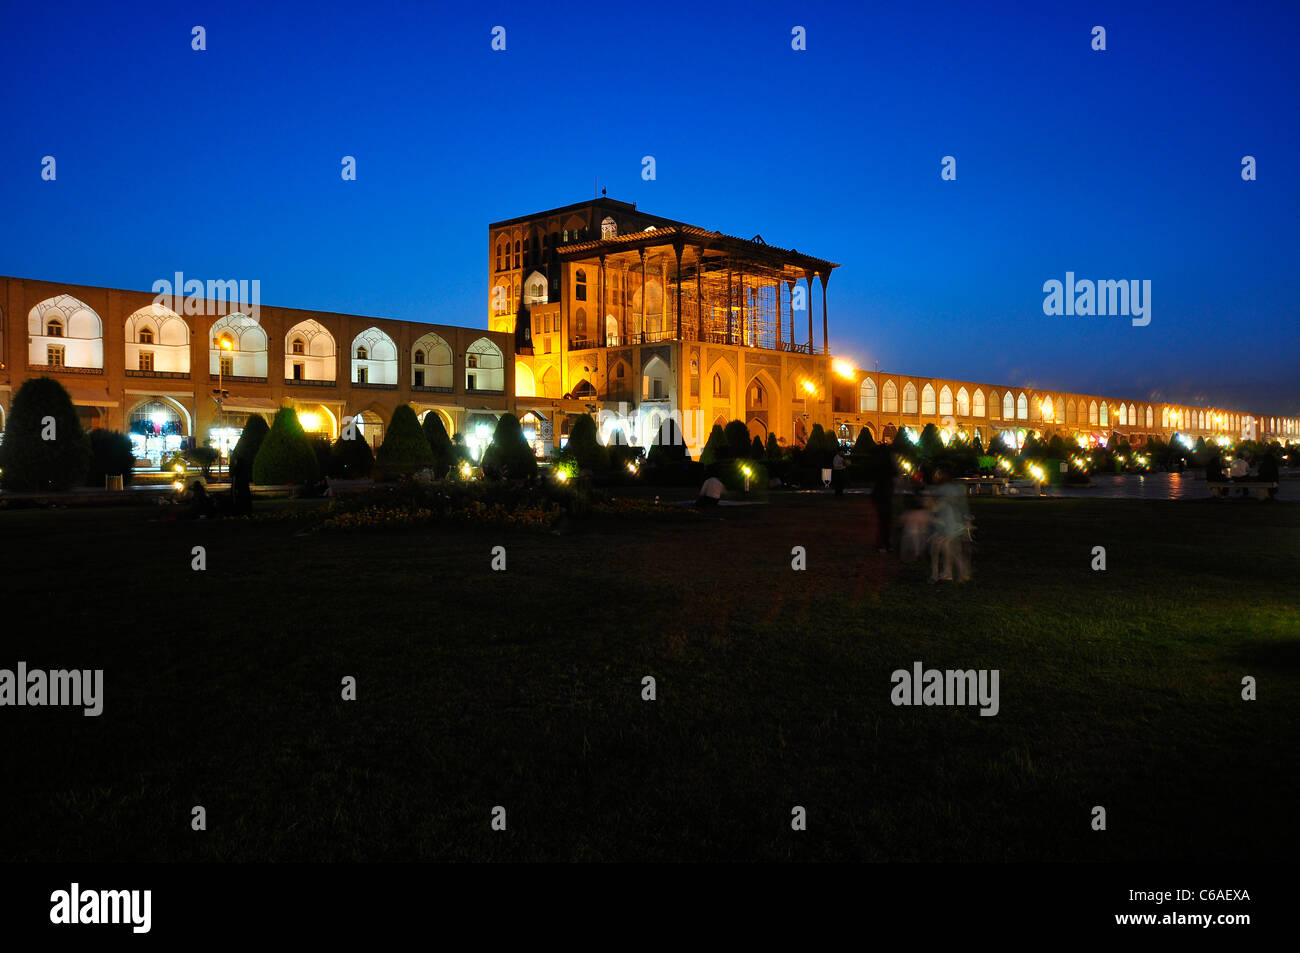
point(948, 554)
point(883, 472)
point(839, 475)
point(917, 526)
point(710, 492)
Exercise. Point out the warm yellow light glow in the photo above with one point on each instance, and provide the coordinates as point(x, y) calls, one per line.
point(310, 421)
point(177, 485)
point(810, 387)
point(631, 468)
point(466, 470)
point(561, 476)
point(747, 471)
point(178, 468)
point(1037, 472)
point(226, 344)
point(844, 368)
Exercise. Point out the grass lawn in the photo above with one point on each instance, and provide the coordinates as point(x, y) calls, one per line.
point(523, 688)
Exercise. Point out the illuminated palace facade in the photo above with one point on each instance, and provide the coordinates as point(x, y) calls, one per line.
point(594, 307)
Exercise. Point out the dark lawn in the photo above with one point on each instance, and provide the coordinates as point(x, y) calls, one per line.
point(522, 688)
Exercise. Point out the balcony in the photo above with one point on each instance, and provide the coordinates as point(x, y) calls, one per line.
point(308, 382)
point(432, 389)
point(170, 375)
point(372, 385)
point(233, 379)
point(63, 369)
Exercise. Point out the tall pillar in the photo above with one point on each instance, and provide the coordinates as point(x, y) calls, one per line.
point(790, 286)
point(641, 329)
point(677, 280)
point(699, 291)
point(826, 343)
point(809, 277)
point(779, 316)
point(600, 316)
point(729, 293)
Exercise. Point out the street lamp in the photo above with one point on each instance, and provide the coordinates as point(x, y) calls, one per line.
point(225, 344)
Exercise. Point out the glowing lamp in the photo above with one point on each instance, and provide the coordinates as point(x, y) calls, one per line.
point(843, 368)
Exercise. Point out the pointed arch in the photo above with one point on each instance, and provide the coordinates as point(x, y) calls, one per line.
point(374, 358)
point(525, 384)
point(889, 398)
point(945, 401)
point(977, 404)
point(963, 402)
point(1092, 414)
point(69, 325)
point(484, 366)
point(867, 402)
point(431, 362)
point(157, 340)
point(1008, 406)
point(310, 352)
point(247, 354)
point(927, 399)
point(910, 403)
point(656, 380)
point(1022, 407)
point(549, 383)
point(1071, 412)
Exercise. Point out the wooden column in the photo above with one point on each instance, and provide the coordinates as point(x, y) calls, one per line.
point(641, 330)
point(677, 280)
point(779, 316)
point(809, 275)
point(826, 342)
point(699, 292)
point(600, 316)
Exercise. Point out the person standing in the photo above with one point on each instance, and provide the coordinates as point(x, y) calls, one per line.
point(838, 473)
point(882, 497)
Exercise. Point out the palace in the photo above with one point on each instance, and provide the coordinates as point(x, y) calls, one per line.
point(595, 307)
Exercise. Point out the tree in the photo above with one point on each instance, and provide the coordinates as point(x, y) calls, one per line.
point(773, 448)
point(351, 459)
point(668, 447)
point(583, 448)
point(44, 447)
point(444, 454)
point(509, 452)
point(202, 457)
point(930, 442)
point(756, 449)
point(110, 455)
point(715, 448)
point(250, 439)
point(737, 435)
point(405, 448)
point(286, 455)
point(864, 445)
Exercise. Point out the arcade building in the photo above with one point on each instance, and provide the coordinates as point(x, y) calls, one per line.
point(595, 307)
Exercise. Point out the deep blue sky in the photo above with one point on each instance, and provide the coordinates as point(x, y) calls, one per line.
point(1122, 164)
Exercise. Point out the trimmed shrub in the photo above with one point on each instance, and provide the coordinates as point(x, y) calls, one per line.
point(773, 448)
point(320, 445)
point(737, 435)
point(668, 447)
point(351, 459)
point(286, 455)
point(110, 455)
point(202, 457)
point(583, 447)
point(756, 451)
point(715, 448)
point(250, 439)
point(405, 448)
point(864, 445)
point(444, 453)
point(31, 463)
point(509, 453)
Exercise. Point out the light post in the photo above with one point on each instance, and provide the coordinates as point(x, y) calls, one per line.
point(225, 345)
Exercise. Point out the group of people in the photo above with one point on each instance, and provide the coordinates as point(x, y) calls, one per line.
point(1266, 471)
point(936, 518)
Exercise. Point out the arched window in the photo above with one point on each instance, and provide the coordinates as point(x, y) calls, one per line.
point(963, 403)
point(580, 285)
point(867, 395)
point(889, 401)
point(1071, 412)
point(909, 398)
point(1092, 413)
point(1132, 416)
point(516, 253)
point(1123, 415)
point(580, 322)
point(607, 228)
point(977, 408)
point(756, 395)
point(719, 386)
point(299, 346)
point(1150, 416)
point(362, 354)
point(1008, 406)
point(146, 335)
point(1022, 406)
point(945, 401)
point(1105, 414)
point(1049, 410)
point(927, 399)
point(419, 356)
point(54, 328)
point(499, 253)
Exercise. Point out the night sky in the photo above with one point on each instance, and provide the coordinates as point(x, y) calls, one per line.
point(1117, 164)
